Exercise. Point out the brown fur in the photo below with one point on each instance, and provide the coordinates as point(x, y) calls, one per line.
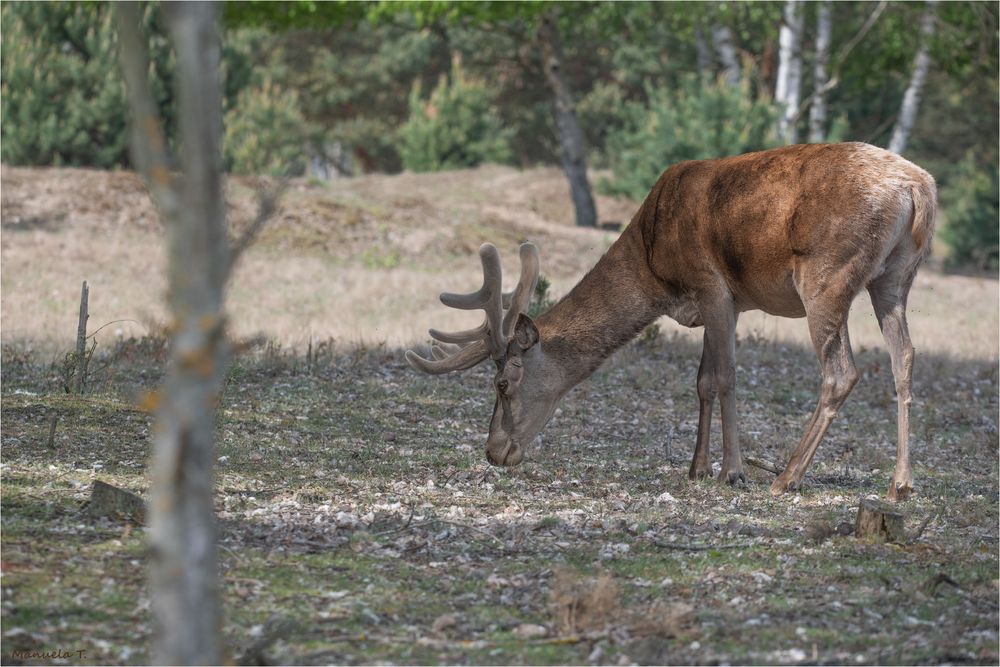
point(796, 231)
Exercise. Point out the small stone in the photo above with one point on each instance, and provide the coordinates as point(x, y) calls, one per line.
point(530, 631)
point(444, 622)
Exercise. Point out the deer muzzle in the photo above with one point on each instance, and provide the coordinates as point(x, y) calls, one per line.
point(504, 453)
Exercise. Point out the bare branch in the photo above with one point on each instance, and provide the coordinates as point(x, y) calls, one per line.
point(267, 205)
point(150, 154)
point(841, 57)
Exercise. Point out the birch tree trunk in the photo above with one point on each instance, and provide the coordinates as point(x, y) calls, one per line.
point(788, 85)
point(817, 113)
point(704, 54)
point(911, 99)
point(571, 145)
point(722, 41)
point(184, 580)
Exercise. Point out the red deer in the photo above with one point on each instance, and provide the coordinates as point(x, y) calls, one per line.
point(795, 231)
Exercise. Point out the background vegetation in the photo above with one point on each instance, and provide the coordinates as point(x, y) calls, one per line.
point(350, 88)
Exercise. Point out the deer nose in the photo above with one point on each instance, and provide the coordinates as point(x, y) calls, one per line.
point(489, 457)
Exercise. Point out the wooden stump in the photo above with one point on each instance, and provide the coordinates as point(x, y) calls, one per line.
point(110, 501)
point(879, 520)
point(81, 341)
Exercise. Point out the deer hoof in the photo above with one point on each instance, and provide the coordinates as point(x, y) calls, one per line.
point(898, 491)
point(780, 486)
point(699, 473)
point(733, 477)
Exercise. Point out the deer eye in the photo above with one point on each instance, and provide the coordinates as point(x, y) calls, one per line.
point(502, 386)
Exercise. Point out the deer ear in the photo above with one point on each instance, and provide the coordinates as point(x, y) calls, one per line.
point(525, 332)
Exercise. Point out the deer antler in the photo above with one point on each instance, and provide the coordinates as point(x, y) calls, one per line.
point(458, 350)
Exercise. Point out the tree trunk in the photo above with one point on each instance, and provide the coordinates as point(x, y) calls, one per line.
point(570, 136)
point(184, 580)
point(817, 113)
point(787, 88)
point(704, 54)
point(722, 40)
point(911, 100)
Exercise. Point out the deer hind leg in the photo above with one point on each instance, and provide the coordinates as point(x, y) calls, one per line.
point(700, 466)
point(889, 300)
point(828, 329)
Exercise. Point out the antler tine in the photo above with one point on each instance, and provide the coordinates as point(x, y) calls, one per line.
point(467, 357)
point(521, 296)
point(461, 337)
point(489, 297)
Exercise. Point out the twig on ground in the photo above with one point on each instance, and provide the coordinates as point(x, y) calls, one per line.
point(921, 528)
point(702, 547)
point(409, 520)
point(763, 465)
point(232, 553)
point(449, 477)
point(473, 529)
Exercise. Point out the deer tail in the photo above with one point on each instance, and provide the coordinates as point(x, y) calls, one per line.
point(924, 195)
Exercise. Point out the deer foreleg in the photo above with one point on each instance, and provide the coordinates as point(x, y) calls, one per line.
point(717, 377)
point(724, 350)
point(700, 466)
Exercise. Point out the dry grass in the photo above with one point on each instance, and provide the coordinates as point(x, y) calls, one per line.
point(362, 261)
point(592, 606)
point(581, 605)
point(359, 261)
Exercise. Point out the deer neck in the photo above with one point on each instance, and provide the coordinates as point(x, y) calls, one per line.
point(607, 308)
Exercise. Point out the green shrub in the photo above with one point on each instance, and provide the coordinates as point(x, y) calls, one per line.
point(541, 300)
point(971, 214)
point(697, 120)
point(63, 99)
point(266, 133)
point(457, 127)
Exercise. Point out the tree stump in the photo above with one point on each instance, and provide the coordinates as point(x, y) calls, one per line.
point(110, 501)
point(880, 521)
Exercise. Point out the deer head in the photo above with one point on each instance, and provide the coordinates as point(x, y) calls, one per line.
point(525, 394)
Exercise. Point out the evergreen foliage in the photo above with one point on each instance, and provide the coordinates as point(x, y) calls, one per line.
point(456, 127)
point(63, 99)
point(266, 133)
point(700, 119)
point(333, 82)
point(972, 211)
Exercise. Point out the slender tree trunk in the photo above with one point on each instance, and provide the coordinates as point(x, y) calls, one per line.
point(184, 578)
point(570, 136)
point(921, 65)
point(788, 85)
point(817, 113)
point(722, 40)
point(704, 54)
